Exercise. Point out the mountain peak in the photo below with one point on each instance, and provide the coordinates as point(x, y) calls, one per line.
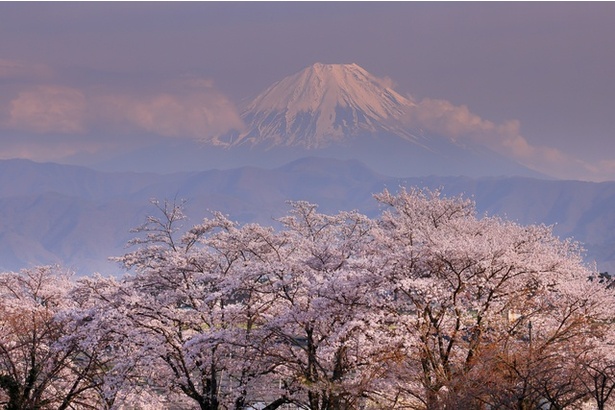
point(321, 104)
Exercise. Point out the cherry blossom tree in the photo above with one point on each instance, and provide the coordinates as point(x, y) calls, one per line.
point(598, 362)
point(325, 321)
point(39, 367)
point(491, 309)
point(599, 377)
point(124, 378)
point(235, 313)
point(191, 316)
point(426, 306)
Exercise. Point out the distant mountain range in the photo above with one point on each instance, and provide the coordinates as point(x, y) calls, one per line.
point(332, 134)
point(78, 217)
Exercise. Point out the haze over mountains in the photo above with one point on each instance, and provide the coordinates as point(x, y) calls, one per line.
point(336, 111)
point(79, 217)
point(330, 134)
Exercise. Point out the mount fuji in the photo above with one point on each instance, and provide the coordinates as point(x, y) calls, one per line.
point(337, 111)
point(342, 111)
point(324, 104)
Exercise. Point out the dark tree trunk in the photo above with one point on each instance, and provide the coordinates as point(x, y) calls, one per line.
point(277, 403)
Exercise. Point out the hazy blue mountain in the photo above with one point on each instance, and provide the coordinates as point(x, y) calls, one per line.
point(78, 217)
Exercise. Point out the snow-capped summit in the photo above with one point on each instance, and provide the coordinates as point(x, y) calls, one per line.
point(321, 104)
point(342, 111)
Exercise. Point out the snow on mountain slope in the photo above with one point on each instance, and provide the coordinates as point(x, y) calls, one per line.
point(342, 111)
point(321, 104)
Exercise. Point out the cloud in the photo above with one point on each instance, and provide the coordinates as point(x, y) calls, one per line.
point(48, 149)
point(458, 123)
point(386, 82)
point(16, 70)
point(48, 109)
point(201, 114)
point(188, 108)
point(90, 124)
point(444, 118)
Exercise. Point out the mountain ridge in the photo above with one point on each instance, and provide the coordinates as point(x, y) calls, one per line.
point(49, 224)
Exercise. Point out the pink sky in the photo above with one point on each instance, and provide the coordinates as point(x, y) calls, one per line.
point(79, 79)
